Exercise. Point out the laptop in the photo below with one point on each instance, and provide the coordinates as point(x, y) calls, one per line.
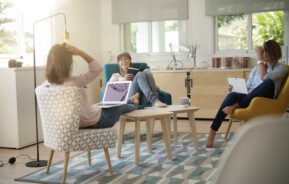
point(115, 94)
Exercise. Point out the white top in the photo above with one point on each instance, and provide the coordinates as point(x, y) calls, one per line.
point(116, 77)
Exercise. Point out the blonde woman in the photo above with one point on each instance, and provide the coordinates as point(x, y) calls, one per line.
point(58, 72)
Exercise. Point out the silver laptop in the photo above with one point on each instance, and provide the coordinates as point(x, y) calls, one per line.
point(115, 94)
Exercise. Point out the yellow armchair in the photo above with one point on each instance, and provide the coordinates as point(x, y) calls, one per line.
point(263, 106)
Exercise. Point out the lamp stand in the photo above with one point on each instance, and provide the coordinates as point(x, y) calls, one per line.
point(38, 162)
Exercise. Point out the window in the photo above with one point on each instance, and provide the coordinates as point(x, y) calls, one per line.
point(244, 32)
point(269, 25)
point(8, 28)
point(16, 27)
point(232, 32)
point(154, 37)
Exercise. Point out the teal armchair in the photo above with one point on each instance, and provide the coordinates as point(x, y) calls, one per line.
point(110, 68)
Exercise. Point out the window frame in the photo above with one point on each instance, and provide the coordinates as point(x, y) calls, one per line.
point(250, 52)
point(150, 55)
point(21, 54)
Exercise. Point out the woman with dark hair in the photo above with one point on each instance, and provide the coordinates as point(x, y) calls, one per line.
point(58, 72)
point(264, 80)
point(143, 83)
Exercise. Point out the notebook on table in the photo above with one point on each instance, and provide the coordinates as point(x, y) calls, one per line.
point(115, 94)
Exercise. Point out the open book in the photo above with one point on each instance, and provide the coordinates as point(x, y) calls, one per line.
point(133, 71)
point(239, 85)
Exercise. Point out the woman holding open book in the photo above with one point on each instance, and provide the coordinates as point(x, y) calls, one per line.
point(143, 83)
point(264, 80)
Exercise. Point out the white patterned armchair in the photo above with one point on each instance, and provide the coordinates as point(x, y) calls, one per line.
point(59, 107)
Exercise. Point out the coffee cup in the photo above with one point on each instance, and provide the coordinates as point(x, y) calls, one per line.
point(184, 101)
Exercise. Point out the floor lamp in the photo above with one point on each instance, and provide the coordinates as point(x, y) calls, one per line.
point(38, 162)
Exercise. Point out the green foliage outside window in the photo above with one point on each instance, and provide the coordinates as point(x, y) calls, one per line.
point(133, 31)
point(227, 19)
point(268, 25)
point(265, 26)
point(8, 43)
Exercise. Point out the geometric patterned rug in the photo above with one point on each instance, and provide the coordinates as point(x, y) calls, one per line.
point(187, 166)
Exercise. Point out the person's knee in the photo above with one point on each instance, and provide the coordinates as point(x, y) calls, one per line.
point(269, 83)
point(147, 71)
point(232, 94)
point(140, 75)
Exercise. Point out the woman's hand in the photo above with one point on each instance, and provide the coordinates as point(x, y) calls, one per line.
point(78, 52)
point(230, 87)
point(73, 50)
point(129, 76)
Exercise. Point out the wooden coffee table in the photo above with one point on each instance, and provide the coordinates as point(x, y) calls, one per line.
point(149, 115)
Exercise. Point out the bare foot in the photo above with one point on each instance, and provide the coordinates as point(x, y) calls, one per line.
point(135, 99)
point(229, 109)
point(160, 104)
point(211, 139)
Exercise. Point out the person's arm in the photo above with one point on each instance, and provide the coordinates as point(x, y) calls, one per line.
point(278, 72)
point(94, 68)
point(262, 66)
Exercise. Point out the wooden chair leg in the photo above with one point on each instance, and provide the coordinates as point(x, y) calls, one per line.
point(49, 161)
point(89, 157)
point(120, 136)
point(107, 156)
point(65, 164)
point(229, 127)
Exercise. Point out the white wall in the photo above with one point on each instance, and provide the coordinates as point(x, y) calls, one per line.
point(84, 24)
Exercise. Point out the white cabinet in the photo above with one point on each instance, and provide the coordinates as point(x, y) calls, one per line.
point(17, 115)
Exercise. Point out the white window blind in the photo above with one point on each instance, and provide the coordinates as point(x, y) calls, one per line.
point(127, 11)
point(226, 7)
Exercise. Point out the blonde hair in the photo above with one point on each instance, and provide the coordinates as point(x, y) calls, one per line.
point(59, 64)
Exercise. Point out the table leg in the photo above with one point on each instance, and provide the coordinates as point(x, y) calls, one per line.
point(167, 142)
point(191, 116)
point(137, 141)
point(120, 136)
point(175, 128)
point(169, 127)
point(149, 134)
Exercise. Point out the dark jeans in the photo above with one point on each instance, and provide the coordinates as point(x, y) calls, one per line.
point(109, 116)
point(265, 89)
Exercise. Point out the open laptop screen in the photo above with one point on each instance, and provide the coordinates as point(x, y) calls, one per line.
point(117, 92)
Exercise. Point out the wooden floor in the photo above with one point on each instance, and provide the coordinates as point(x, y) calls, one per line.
point(9, 172)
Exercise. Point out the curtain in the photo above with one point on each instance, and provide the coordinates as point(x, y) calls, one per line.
point(127, 11)
point(226, 7)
